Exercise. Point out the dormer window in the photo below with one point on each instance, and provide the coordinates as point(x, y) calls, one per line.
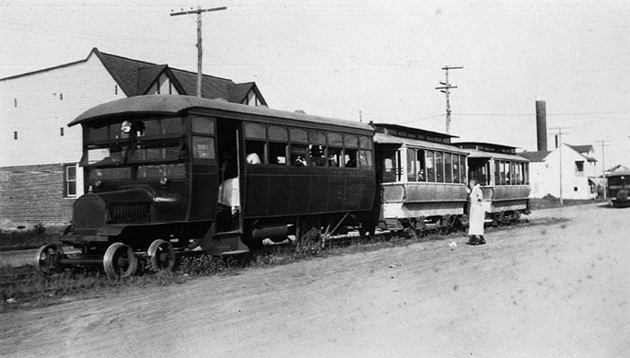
point(252, 99)
point(163, 85)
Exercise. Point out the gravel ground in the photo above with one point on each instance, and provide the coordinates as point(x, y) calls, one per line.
point(558, 290)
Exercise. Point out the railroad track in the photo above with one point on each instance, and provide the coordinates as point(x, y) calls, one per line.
point(13, 276)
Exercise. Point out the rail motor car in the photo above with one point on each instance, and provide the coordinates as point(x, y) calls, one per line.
point(172, 173)
point(504, 179)
point(618, 188)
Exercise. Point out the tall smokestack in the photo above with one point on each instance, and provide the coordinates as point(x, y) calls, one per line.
point(541, 125)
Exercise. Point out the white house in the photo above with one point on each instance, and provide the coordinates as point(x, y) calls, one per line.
point(39, 154)
point(569, 172)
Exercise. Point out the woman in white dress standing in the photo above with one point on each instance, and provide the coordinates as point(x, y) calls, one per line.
point(476, 214)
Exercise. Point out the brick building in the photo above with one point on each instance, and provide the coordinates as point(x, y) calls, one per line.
point(39, 154)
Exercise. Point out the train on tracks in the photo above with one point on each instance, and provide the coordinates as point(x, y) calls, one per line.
point(171, 174)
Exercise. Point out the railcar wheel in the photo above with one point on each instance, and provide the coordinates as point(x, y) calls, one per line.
point(119, 261)
point(47, 259)
point(161, 256)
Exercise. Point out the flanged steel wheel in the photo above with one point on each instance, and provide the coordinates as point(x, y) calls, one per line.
point(161, 256)
point(119, 261)
point(47, 259)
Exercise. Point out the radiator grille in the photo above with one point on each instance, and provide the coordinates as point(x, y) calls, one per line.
point(127, 213)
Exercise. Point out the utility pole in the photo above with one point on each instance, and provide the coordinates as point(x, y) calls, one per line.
point(199, 11)
point(445, 88)
point(559, 142)
point(604, 143)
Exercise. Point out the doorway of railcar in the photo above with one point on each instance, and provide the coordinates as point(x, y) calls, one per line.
point(228, 217)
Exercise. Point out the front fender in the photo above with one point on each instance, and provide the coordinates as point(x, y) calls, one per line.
point(58, 230)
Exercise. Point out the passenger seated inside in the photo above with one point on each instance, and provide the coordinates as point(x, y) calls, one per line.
point(299, 161)
point(253, 158)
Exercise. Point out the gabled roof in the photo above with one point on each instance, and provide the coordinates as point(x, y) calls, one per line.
point(535, 157)
point(582, 148)
point(541, 155)
point(618, 167)
point(134, 78)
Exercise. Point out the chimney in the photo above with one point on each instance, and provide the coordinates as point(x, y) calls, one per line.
point(541, 125)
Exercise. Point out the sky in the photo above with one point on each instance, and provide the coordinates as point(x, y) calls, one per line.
point(369, 60)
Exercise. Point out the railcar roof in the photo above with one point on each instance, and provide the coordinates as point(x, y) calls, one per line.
point(175, 104)
point(381, 138)
point(493, 147)
point(618, 173)
point(387, 127)
point(473, 153)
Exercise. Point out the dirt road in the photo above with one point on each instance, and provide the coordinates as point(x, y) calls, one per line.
point(541, 291)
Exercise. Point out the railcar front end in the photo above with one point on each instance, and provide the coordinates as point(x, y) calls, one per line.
point(619, 188)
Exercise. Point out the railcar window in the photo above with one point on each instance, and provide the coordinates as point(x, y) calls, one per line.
point(298, 135)
point(456, 169)
point(334, 139)
point(298, 155)
point(203, 147)
point(109, 174)
point(420, 166)
point(152, 128)
point(499, 172)
point(350, 141)
point(203, 125)
point(502, 173)
point(254, 130)
point(255, 148)
point(106, 156)
point(152, 151)
point(439, 167)
point(171, 126)
point(350, 158)
point(411, 165)
point(98, 134)
point(365, 143)
point(317, 137)
point(278, 134)
point(518, 176)
point(277, 153)
point(430, 166)
point(391, 167)
point(317, 155)
point(365, 161)
point(448, 168)
point(335, 157)
point(317, 149)
point(278, 148)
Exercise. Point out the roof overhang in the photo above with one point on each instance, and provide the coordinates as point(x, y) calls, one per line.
point(384, 139)
point(477, 154)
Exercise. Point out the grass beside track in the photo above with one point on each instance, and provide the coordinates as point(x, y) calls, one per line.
point(22, 288)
